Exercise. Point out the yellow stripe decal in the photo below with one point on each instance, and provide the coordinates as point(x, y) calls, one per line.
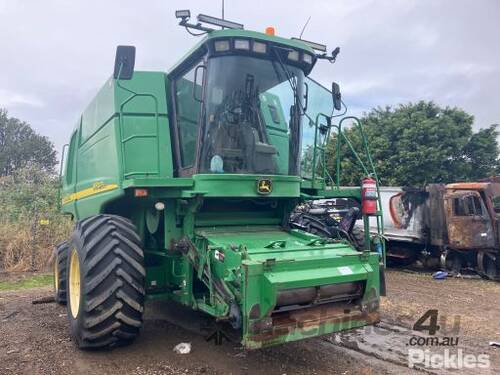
point(98, 187)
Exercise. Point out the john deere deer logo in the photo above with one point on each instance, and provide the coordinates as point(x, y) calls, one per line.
point(264, 186)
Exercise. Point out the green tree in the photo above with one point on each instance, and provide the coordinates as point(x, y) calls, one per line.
point(20, 146)
point(419, 143)
point(482, 153)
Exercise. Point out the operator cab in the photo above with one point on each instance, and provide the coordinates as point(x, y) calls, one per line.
point(238, 99)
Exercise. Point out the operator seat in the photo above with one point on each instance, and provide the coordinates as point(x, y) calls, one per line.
point(242, 151)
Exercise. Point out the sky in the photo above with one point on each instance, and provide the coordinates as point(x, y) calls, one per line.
point(55, 54)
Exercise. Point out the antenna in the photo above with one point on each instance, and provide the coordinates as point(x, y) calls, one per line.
point(303, 29)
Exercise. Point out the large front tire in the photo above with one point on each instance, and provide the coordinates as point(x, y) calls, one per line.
point(105, 282)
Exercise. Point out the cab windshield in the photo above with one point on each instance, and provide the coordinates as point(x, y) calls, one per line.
point(245, 126)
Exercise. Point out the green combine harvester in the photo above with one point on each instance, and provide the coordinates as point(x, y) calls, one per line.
point(181, 186)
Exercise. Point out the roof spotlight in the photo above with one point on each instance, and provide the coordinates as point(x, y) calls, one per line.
point(185, 13)
point(313, 45)
point(219, 22)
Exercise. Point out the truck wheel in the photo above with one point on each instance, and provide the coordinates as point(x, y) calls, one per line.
point(358, 238)
point(60, 274)
point(105, 282)
point(454, 262)
point(490, 268)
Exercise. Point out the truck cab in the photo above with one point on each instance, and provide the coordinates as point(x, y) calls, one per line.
point(472, 222)
point(472, 219)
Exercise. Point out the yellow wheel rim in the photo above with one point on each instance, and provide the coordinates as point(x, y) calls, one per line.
point(56, 275)
point(74, 284)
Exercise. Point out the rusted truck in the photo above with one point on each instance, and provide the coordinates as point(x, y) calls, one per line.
point(455, 226)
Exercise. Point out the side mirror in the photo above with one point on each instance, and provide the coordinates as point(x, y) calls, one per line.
point(124, 62)
point(336, 96)
point(306, 97)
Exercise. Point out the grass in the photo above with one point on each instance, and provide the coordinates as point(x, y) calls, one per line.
point(29, 282)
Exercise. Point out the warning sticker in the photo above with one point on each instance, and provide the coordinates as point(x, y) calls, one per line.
point(345, 270)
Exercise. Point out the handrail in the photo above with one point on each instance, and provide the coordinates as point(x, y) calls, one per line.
point(122, 105)
point(341, 136)
point(322, 148)
point(368, 156)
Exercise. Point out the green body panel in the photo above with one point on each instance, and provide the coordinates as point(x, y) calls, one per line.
point(234, 185)
point(120, 137)
point(218, 245)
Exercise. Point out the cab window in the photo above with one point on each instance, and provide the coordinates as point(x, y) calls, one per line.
point(467, 206)
point(187, 112)
point(319, 101)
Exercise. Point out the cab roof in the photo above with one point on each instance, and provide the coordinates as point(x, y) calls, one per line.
point(231, 33)
point(493, 186)
point(468, 185)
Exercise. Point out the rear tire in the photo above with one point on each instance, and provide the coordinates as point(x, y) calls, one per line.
point(60, 274)
point(106, 279)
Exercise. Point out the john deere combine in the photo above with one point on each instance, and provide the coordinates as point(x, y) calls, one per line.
point(181, 185)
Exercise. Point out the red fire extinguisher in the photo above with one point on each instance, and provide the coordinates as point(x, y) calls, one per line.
point(368, 196)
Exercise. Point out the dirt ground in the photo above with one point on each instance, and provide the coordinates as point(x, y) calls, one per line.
point(476, 303)
point(34, 339)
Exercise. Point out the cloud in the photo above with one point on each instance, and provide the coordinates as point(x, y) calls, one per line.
point(12, 99)
point(363, 86)
point(56, 54)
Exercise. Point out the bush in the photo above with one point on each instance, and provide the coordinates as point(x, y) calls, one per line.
point(30, 221)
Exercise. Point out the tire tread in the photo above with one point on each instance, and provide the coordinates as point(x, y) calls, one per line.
point(113, 277)
point(61, 259)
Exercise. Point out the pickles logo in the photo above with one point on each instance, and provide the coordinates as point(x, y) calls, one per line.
point(264, 186)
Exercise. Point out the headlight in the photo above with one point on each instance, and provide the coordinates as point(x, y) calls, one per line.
point(307, 58)
point(222, 45)
point(242, 44)
point(259, 47)
point(293, 55)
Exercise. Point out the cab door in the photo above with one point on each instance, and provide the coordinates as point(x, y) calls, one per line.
point(318, 101)
point(187, 94)
point(495, 203)
point(468, 223)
